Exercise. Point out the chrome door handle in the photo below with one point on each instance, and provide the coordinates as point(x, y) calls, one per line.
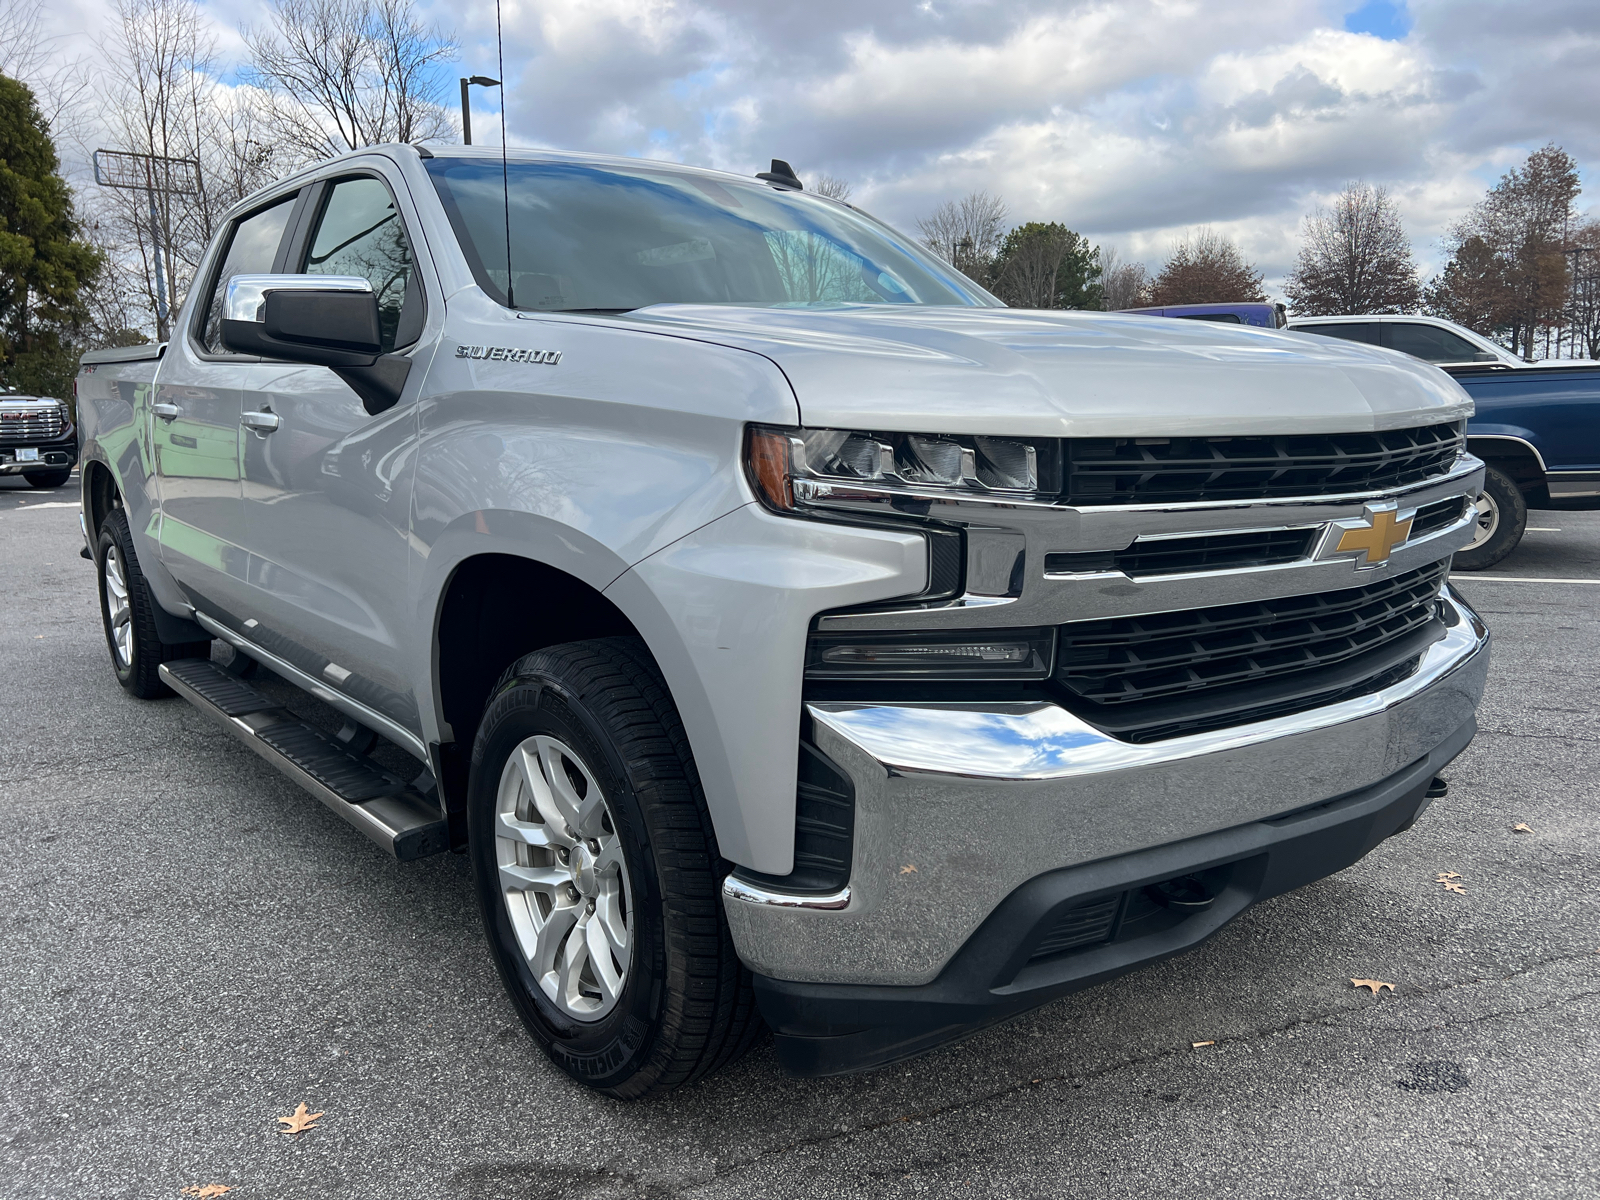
point(261, 422)
point(165, 411)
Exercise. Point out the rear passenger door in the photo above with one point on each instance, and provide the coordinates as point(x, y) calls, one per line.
point(194, 423)
point(327, 485)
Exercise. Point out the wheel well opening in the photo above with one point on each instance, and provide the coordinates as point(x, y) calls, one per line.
point(497, 608)
point(101, 491)
point(1512, 457)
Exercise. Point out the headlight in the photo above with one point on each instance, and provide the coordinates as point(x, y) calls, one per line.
point(791, 468)
point(931, 654)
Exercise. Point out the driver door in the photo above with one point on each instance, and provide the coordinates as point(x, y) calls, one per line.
point(326, 485)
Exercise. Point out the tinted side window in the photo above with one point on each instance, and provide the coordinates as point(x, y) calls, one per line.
point(1350, 331)
point(252, 247)
point(1220, 318)
point(1429, 342)
point(360, 234)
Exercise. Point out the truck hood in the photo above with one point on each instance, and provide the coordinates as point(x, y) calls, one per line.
point(1069, 374)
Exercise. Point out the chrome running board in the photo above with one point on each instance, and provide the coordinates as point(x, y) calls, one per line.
point(377, 802)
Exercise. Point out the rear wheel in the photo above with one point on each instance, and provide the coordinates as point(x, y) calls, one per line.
point(598, 874)
point(127, 611)
point(1502, 518)
point(47, 479)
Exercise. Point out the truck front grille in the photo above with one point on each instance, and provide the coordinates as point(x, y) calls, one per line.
point(1166, 673)
point(1185, 470)
point(41, 426)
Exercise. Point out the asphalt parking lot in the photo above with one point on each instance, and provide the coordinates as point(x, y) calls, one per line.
point(190, 947)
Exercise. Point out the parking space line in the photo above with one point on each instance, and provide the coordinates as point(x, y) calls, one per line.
point(1541, 529)
point(1516, 579)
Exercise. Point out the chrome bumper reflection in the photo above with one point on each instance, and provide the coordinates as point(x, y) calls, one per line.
point(958, 805)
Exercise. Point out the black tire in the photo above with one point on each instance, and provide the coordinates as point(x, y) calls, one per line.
point(48, 479)
point(685, 1006)
point(137, 669)
point(1503, 517)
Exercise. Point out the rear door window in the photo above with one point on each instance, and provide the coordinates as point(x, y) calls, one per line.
point(252, 250)
point(1351, 331)
point(1429, 342)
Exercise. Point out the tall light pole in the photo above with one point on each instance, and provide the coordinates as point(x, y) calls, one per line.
point(466, 106)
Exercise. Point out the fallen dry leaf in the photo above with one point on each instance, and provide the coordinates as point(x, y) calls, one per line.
point(205, 1191)
point(1456, 888)
point(1521, 829)
point(1197, 1045)
point(1372, 985)
point(299, 1121)
point(908, 869)
point(1443, 875)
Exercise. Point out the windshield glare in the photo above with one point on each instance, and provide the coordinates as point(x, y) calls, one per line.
point(586, 237)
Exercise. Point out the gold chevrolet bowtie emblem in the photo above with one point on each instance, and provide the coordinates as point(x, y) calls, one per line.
point(1378, 539)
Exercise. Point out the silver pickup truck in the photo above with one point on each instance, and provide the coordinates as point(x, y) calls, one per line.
point(791, 634)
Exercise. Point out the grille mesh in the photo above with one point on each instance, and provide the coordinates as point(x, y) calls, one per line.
point(1185, 470)
point(1128, 660)
point(31, 426)
point(1203, 552)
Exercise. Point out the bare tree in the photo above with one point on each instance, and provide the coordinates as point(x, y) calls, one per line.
point(1585, 300)
point(1123, 284)
point(343, 74)
point(1354, 258)
point(23, 49)
point(58, 85)
point(967, 233)
point(1205, 268)
point(1521, 225)
point(160, 97)
point(832, 187)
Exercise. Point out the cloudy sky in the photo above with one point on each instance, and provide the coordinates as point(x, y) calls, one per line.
point(1131, 121)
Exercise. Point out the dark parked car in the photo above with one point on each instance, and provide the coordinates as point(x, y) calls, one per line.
point(37, 439)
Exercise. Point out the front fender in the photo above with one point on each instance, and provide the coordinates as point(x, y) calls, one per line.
point(726, 611)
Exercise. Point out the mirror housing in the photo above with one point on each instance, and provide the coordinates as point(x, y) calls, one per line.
point(320, 320)
point(323, 320)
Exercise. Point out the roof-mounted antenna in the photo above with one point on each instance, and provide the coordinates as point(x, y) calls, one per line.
point(505, 171)
point(783, 175)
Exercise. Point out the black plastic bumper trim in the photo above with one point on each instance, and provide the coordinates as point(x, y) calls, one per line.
point(835, 1029)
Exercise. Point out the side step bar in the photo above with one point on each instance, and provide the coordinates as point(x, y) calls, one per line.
point(378, 803)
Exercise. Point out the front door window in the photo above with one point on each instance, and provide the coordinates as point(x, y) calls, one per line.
point(360, 234)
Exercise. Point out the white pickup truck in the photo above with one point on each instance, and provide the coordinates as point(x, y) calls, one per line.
point(791, 634)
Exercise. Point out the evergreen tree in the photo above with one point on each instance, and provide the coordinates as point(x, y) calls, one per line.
point(1046, 265)
point(44, 264)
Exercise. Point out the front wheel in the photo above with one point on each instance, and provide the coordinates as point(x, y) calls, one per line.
point(598, 874)
point(1502, 518)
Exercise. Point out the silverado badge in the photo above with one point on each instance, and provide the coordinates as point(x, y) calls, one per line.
point(508, 354)
point(1377, 534)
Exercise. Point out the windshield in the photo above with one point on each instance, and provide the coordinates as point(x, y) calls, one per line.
point(586, 238)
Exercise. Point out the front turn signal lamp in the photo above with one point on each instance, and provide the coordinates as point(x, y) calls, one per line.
point(991, 654)
point(792, 468)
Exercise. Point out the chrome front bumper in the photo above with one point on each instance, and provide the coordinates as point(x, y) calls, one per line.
point(957, 806)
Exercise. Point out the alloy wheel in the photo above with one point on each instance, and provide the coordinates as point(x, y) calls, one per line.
point(118, 611)
point(562, 877)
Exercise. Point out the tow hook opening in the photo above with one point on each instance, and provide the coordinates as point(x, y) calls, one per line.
point(1184, 894)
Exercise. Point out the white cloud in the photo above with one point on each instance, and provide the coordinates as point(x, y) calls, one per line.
point(1132, 120)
